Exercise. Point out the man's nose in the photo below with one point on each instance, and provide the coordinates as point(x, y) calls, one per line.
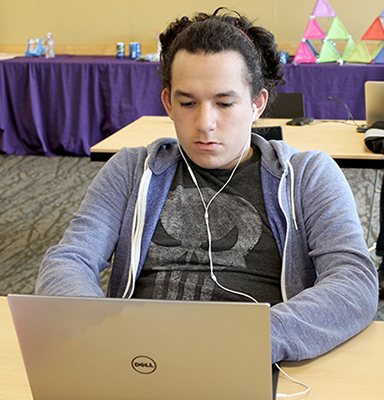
point(206, 118)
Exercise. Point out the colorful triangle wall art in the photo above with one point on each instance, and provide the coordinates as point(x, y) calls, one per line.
point(329, 53)
point(310, 45)
point(360, 54)
point(349, 49)
point(375, 31)
point(337, 30)
point(323, 9)
point(314, 30)
point(377, 50)
point(304, 54)
point(379, 59)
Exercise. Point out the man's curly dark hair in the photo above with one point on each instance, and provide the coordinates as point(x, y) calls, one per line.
point(220, 32)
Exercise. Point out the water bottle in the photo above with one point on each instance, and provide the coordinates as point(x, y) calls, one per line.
point(49, 43)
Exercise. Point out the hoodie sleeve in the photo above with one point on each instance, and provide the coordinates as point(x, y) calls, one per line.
point(72, 267)
point(330, 280)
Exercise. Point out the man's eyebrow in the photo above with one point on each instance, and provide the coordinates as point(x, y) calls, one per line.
point(180, 93)
point(230, 93)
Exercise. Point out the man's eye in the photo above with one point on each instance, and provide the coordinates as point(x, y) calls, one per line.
point(187, 104)
point(226, 105)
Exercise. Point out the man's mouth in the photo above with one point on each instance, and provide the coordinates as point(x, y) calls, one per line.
point(207, 145)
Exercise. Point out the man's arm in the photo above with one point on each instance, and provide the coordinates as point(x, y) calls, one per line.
point(343, 300)
point(72, 267)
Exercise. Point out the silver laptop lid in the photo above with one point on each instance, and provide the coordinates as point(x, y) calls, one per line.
point(93, 348)
point(374, 102)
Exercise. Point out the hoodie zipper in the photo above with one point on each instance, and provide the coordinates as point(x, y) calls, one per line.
point(289, 169)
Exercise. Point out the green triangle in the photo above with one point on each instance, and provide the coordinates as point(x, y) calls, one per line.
point(349, 49)
point(328, 52)
point(337, 30)
point(360, 54)
point(377, 50)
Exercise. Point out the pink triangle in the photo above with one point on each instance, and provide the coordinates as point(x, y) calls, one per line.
point(314, 30)
point(304, 54)
point(323, 9)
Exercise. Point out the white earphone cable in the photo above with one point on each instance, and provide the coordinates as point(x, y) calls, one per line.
point(206, 215)
point(285, 396)
point(211, 266)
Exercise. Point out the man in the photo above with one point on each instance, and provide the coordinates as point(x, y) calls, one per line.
point(221, 214)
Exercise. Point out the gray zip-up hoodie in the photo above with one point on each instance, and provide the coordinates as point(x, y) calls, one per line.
point(328, 282)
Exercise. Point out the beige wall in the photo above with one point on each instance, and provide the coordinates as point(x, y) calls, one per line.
point(94, 26)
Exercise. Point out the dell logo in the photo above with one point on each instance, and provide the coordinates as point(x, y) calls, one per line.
point(144, 365)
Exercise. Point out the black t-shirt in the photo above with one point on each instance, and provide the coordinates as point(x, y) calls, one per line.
point(244, 252)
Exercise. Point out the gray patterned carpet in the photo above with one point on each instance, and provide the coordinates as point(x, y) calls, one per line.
point(38, 196)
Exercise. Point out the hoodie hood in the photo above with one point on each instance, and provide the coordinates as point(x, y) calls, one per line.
point(275, 157)
point(163, 153)
point(275, 154)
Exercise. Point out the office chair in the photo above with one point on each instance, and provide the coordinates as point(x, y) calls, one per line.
point(285, 105)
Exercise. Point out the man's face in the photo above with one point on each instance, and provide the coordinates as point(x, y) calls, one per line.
point(211, 106)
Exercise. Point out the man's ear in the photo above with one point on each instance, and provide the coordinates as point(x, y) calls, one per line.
point(166, 99)
point(259, 104)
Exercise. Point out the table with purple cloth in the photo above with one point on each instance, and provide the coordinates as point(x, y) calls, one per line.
point(345, 82)
point(67, 104)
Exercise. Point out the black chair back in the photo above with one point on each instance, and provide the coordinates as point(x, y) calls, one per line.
point(286, 105)
point(270, 132)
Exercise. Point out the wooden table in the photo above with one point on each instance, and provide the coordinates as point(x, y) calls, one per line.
point(340, 140)
point(351, 371)
point(13, 378)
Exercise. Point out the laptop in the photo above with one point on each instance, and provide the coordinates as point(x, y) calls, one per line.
point(374, 102)
point(103, 348)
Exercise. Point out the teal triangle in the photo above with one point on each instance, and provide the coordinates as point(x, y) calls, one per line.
point(310, 45)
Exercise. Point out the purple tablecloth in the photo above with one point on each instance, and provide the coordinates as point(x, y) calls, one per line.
point(67, 104)
point(318, 81)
